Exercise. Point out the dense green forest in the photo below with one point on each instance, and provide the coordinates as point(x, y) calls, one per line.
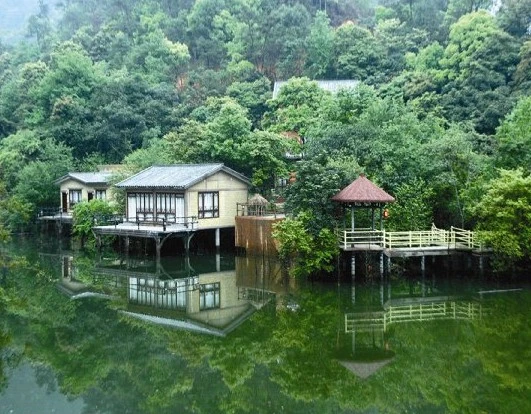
point(441, 118)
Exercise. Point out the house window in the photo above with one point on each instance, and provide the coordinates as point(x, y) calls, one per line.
point(144, 202)
point(209, 296)
point(208, 205)
point(100, 195)
point(165, 203)
point(74, 197)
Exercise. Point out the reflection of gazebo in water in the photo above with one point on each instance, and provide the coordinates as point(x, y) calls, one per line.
point(364, 194)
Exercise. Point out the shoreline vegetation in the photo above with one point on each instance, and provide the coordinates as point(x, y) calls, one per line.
point(439, 115)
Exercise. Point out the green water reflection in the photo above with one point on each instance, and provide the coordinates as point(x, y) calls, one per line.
point(268, 344)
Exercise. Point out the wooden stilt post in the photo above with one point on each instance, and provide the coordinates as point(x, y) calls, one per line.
point(382, 290)
point(187, 240)
point(158, 246)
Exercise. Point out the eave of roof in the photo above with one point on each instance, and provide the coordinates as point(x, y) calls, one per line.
point(362, 190)
point(86, 178)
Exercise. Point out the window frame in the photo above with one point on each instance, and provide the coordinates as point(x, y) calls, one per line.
point(209, 288)
point(100, 194)
point(71, 199)
point(211, 210)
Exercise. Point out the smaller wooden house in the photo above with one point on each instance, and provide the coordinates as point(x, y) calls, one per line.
point(206, 194)
point(83, 186)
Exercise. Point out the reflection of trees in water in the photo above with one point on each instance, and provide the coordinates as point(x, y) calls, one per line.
point(280, 358)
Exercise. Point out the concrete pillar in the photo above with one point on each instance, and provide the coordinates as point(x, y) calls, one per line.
point(381, 264)
point(218, 262)
point(218, 242)
point(353, 264)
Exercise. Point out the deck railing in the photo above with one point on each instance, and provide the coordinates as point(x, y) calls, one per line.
point(368, 321)
point(270, 209)
point(454, 238)
point(50, 211)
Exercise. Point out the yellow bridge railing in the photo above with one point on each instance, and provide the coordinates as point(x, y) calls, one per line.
point(373, 239)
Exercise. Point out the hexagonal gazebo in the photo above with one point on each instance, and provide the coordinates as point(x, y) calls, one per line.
point(363, 193)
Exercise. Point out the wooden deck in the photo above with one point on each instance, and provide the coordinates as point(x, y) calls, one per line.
point(143, 230)
point(433, 242)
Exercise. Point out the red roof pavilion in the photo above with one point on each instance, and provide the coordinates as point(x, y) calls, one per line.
point(362, 190)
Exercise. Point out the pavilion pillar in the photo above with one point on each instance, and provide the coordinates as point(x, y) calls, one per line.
point(352, 220)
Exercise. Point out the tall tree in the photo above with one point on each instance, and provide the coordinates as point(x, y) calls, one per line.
point(514, 138)
point(479, 62)
point(320, 43)
point(505, 213)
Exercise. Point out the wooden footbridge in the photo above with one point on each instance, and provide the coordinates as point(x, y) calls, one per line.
point(442, 310)
point(431, 242)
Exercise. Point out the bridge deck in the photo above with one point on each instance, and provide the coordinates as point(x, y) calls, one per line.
point(433, 242)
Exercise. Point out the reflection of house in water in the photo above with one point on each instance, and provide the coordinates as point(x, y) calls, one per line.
point(174, 295)
point(205, 303)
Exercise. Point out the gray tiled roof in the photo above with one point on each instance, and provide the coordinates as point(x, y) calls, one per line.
point(87, 177)
point(181, 176)
point(332, 86)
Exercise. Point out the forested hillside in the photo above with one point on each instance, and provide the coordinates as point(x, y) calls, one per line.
point(441, 118)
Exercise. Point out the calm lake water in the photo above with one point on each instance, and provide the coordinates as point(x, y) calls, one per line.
point(107, 333)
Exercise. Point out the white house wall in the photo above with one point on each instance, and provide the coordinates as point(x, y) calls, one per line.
point(230, 306)
point(231, 191)
point(72, 184)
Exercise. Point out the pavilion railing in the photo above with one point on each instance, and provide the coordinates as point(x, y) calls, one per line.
point(455, 238)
